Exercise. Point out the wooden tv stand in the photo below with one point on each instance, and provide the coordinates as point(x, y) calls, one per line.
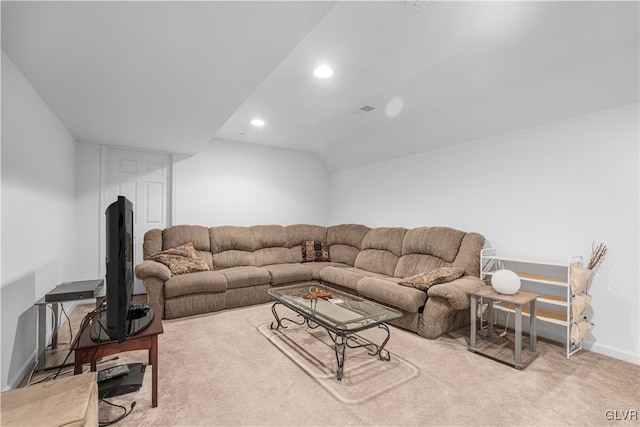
point(89, 351)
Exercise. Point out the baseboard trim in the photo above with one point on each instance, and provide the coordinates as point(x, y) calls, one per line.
point(557, 334)
point(24, 370)
point(612, 352)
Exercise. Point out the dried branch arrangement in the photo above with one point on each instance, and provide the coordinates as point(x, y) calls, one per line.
point(597, 253)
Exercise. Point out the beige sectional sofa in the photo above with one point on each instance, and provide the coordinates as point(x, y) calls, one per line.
point(246, 261)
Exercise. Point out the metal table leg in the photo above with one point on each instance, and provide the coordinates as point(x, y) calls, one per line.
point(42, 333)
point(42, 337)
point(533, 331)
point(56, 324)
point(339, 344)
point(518, 349)
point(490, 319)
point(472, 338)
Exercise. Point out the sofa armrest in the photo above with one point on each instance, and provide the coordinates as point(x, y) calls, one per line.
point(154, 274)
point(150, 268)
point(457, 291)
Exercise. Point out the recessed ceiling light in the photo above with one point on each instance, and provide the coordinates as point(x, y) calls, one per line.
point(394, 107)
point(323, 71)
point(257, 122)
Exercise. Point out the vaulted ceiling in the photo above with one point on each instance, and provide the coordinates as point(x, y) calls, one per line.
point(173, 76)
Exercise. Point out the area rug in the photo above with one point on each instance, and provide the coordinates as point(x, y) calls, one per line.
point(364, 376)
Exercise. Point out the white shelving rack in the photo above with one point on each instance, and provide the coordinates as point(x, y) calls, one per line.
point(551, 280)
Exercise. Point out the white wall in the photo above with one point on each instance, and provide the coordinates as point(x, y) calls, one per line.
point(38, 215)
point(227, 183)
point(244, 184)
point(88, 211)
point(544, 192)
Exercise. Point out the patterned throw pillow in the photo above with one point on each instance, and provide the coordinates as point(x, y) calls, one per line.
point(315, 250)
point(182, 259)
point(424, 281)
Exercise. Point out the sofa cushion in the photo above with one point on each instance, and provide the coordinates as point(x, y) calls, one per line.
point(347, 234)
point(231, 246)
point(429, 248)
point(346, 277)
point(288, 273)
point(388, 292)
point(206, 257)
point(424, 281)
point(377, 261)
point(386, 239)
point(440, 242)
point(297, 233)
point(467, 257)
point(180, 260)
point(152, 243)
point(315, 250)
point(268, 256)
point(344, 242)
point(343, 254)
point(195, 283)
point(412, 264)
point(241, 277)
point(269, 236)
point(181, 234)
point(381, 250)
point(317, 267)
point(229, 237)
point(271, 245)
point(233, 258)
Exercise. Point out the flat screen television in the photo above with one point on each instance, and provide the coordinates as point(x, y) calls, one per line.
point(119, 318)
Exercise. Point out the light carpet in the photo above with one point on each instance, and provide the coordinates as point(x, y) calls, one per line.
point(364, 376)
point(220, 369)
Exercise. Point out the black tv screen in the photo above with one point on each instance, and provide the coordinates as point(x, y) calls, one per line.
point(118, 319)
point(120, 265)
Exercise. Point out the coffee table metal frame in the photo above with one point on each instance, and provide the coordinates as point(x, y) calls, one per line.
point(366, 315)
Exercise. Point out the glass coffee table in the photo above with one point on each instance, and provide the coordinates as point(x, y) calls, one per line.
point(341, 314)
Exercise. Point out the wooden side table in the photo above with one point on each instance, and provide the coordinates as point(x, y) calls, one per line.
point(494, 350)
point(88, 351)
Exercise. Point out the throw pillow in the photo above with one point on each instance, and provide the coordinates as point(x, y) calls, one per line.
point(315, 250)
point(182, 259)
point(424, 281)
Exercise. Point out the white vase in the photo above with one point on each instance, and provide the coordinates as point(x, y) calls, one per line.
point(505, 282)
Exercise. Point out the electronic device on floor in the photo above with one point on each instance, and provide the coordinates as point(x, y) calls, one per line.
point(120, 379)
point(113, 372)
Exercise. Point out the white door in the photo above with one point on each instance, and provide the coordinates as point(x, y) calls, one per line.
point(143, 178)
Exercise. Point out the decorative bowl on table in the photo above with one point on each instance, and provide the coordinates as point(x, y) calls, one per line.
point(317, 293)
